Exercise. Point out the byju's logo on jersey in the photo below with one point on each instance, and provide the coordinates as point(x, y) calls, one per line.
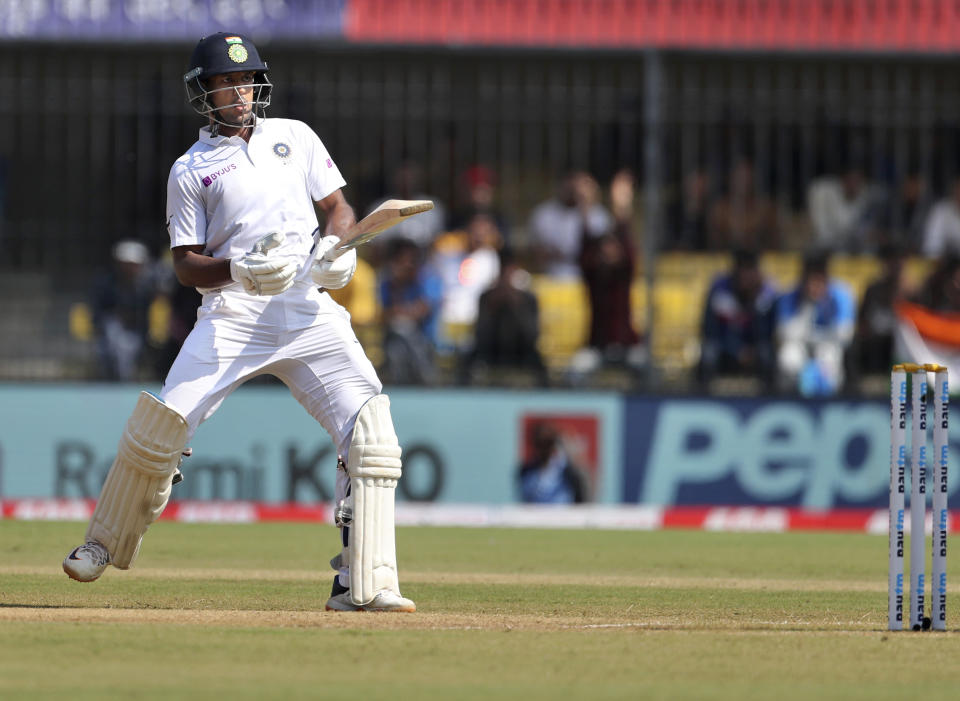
point(208, 179)
point(281, 150)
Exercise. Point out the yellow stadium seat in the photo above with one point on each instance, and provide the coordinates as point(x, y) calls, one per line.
point(677, 311)
point(564, 318)
point(81, 322)
point(158, 320)
point(782, 267)
point(360, 296)
point(361, 300)
point(917, 270)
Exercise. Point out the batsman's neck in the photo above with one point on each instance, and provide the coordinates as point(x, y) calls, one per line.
point(216, 128)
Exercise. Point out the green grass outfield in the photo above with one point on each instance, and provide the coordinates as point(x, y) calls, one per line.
point(236, 612)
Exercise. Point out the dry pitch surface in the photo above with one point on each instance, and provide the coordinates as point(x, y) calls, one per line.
point(238, 611)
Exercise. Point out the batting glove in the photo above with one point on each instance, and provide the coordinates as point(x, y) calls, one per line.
point(261, 273)
point(336, 273)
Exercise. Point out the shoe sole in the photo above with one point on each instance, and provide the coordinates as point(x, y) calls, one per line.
point(75, 578)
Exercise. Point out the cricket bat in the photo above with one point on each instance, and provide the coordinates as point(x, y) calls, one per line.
point(388, 214)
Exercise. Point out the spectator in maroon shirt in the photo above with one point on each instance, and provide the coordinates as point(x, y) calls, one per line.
point(608, 264)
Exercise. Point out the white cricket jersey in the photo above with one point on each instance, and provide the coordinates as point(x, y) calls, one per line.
point(225, 193)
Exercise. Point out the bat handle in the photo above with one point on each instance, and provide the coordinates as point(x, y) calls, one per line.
point(269, 242)
point(329, 255)
point(334, 253)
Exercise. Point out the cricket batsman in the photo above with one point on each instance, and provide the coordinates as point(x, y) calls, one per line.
point(241, 218)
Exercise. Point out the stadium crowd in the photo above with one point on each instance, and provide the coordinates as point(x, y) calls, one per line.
point(451, 297)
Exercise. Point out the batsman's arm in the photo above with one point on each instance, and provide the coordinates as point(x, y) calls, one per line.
point(194, 269)
point(339, 214)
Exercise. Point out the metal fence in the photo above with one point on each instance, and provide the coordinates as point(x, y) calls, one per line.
point(87, 135)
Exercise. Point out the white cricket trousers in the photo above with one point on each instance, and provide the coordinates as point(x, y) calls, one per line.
point(301, 336)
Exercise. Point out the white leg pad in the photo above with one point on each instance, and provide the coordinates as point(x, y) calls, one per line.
point(374, 467)
point(138, 485)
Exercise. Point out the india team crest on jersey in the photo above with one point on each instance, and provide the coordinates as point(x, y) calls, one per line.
point(281, 150)
point(237, 53)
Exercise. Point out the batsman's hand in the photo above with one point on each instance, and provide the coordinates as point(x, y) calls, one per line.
point(336, 273)
point(261, 273)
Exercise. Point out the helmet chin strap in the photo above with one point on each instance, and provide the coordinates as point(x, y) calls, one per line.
point(215, 123)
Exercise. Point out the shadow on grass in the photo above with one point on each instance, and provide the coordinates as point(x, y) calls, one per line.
point(33, 606)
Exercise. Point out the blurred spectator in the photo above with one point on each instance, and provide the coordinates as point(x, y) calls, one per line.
point(410, 296)
point(121, 304)
point(743, 217)
point(468, 272)
point(941, 290)
point(608, 264)
point(4, 180)
point(814, 326)
point(550, 477)
point(479, 197)
point(738, 318)
point(871, 352)
point(508, 326)
point(942, 233)
point(421, 229)
point(905, 215)
point(843, 211)
point(687, 215)
point(183, 303)
point(558, 226)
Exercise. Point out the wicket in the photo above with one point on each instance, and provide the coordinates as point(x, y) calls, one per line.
point(899, 395)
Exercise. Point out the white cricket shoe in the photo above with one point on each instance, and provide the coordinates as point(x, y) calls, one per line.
point(385, 600)
point(87, 562)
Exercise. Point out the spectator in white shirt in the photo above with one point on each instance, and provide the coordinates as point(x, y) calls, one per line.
point(942, 233)
point(558, 226)
point(842, 210)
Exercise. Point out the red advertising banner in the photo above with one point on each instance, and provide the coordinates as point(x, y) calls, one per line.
point(730, 519)
point(862, 25)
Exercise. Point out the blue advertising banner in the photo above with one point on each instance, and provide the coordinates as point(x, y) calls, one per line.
point(165, 20)
point(814, 455)
point(464, 446)
point(459, 446)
